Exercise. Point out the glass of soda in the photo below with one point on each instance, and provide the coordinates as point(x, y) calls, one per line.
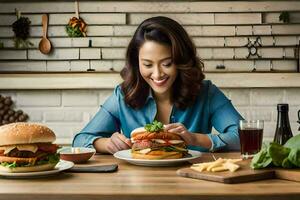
point(251, 136)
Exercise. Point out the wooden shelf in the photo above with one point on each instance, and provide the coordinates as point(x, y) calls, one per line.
point(110, 80)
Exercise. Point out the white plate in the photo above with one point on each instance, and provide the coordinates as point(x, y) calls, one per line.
point(61, 166)
point(126, 155)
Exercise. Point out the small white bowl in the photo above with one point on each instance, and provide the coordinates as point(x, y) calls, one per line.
point(76, 154)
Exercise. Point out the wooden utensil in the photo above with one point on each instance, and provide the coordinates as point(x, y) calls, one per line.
point(45, 44)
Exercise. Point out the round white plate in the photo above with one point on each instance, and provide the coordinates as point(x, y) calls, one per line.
point(126, 155)
point(61, 166)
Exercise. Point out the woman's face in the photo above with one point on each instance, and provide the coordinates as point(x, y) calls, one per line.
point(156, 67)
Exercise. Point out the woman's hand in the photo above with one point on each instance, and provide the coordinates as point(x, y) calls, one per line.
point(180, 129)
point(117, 142)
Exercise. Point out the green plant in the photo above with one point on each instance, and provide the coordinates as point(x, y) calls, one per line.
point(73, 32)
point(273, 154)
point(76, 27)
point(284, 16)
point(21, 29)
point(155, 126)
point(1, 45)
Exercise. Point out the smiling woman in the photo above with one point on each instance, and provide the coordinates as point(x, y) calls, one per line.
point(163, 80)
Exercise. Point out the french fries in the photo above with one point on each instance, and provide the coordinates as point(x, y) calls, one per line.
point(218, 165)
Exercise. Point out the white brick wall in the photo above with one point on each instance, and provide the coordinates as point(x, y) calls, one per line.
point(38, 98)
point(73, 98)
point(97, 18)
point(90, 53)
point(244, 30)
point(23, 66)
point(264, 97)
point(57, 54)
point(262, 65)
point(58, 66)
point(262, 30)
point(67, 112)
point(249, 18)
point(182, 18)
point(113, 53)
point(81, 65)
point(13, 54)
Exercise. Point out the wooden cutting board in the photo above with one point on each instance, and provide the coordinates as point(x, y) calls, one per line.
point(244, 174)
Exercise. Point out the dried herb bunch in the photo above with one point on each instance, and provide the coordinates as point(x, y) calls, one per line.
point(76, 27)
point(21, 29)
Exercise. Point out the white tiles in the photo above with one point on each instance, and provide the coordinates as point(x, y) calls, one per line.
point(67, 112)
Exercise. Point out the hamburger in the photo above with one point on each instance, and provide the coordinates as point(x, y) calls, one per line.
point(152, 142)
point(27, 147)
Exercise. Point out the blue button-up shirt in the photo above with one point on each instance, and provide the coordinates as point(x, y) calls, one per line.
point(211, 109)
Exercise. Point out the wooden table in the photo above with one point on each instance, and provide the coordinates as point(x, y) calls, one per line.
point(136, 182)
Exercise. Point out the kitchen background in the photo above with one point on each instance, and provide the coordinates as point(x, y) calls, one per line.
point(258, 38)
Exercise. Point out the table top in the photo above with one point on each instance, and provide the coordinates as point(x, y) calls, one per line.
point(139, 182)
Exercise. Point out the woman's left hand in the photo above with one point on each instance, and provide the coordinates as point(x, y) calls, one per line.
point(181, 130)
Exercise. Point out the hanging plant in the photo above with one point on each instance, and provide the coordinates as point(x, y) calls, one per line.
point(21, 29)
point(284, 16)
point(76, 26)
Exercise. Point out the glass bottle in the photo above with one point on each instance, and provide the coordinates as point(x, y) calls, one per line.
point(299, 119)
point(283, 130)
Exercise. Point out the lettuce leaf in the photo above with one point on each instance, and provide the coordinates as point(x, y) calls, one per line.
point(51, 158)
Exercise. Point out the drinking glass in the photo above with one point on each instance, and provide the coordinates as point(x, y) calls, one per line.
point(251, 135)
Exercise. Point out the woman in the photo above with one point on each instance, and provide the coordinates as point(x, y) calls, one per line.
point(163, 80)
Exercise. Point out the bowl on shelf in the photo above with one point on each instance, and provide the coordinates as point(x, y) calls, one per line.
point(76, 154)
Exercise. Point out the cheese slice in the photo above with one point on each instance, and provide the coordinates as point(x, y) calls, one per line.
point(159, 141)
point(27, 147)
point(145, 151)
point(21, 147)
point(8, 149)
point(176, 141)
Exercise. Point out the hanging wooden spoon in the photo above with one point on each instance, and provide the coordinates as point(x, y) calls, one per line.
point(45, 44)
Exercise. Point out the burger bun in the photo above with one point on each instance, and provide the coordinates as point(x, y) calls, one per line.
point(141, 134)
point(25, 133)
point(157, 155)
point(35, 168)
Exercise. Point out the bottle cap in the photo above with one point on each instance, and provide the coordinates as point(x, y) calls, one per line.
point(283, 107)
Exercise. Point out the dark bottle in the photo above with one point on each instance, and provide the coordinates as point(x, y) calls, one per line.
point(299, 119)
point(283, 130)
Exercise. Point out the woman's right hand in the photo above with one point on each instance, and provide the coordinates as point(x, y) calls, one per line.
point(118, 142)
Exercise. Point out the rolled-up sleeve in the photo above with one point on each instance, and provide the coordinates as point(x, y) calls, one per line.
point(104, 123)
point(225, 119)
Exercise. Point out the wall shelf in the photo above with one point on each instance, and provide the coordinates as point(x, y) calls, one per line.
point(38, 81)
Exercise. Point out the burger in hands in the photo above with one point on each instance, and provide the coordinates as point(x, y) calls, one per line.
point(27, 147)
point(152, 142)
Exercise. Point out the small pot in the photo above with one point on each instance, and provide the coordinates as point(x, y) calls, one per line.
point(76, 154)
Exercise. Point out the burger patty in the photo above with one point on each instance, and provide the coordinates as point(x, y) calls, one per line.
point(42, 148)
point(144, 144)
point(22, 154)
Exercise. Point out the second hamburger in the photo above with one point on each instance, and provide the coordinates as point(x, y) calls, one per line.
point(27, 147)
point(152, 142)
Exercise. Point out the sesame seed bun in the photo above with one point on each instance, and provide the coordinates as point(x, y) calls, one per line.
point(25, 133)
point(142, 134)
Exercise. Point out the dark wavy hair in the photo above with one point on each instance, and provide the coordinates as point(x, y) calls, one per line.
point(188, 82)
